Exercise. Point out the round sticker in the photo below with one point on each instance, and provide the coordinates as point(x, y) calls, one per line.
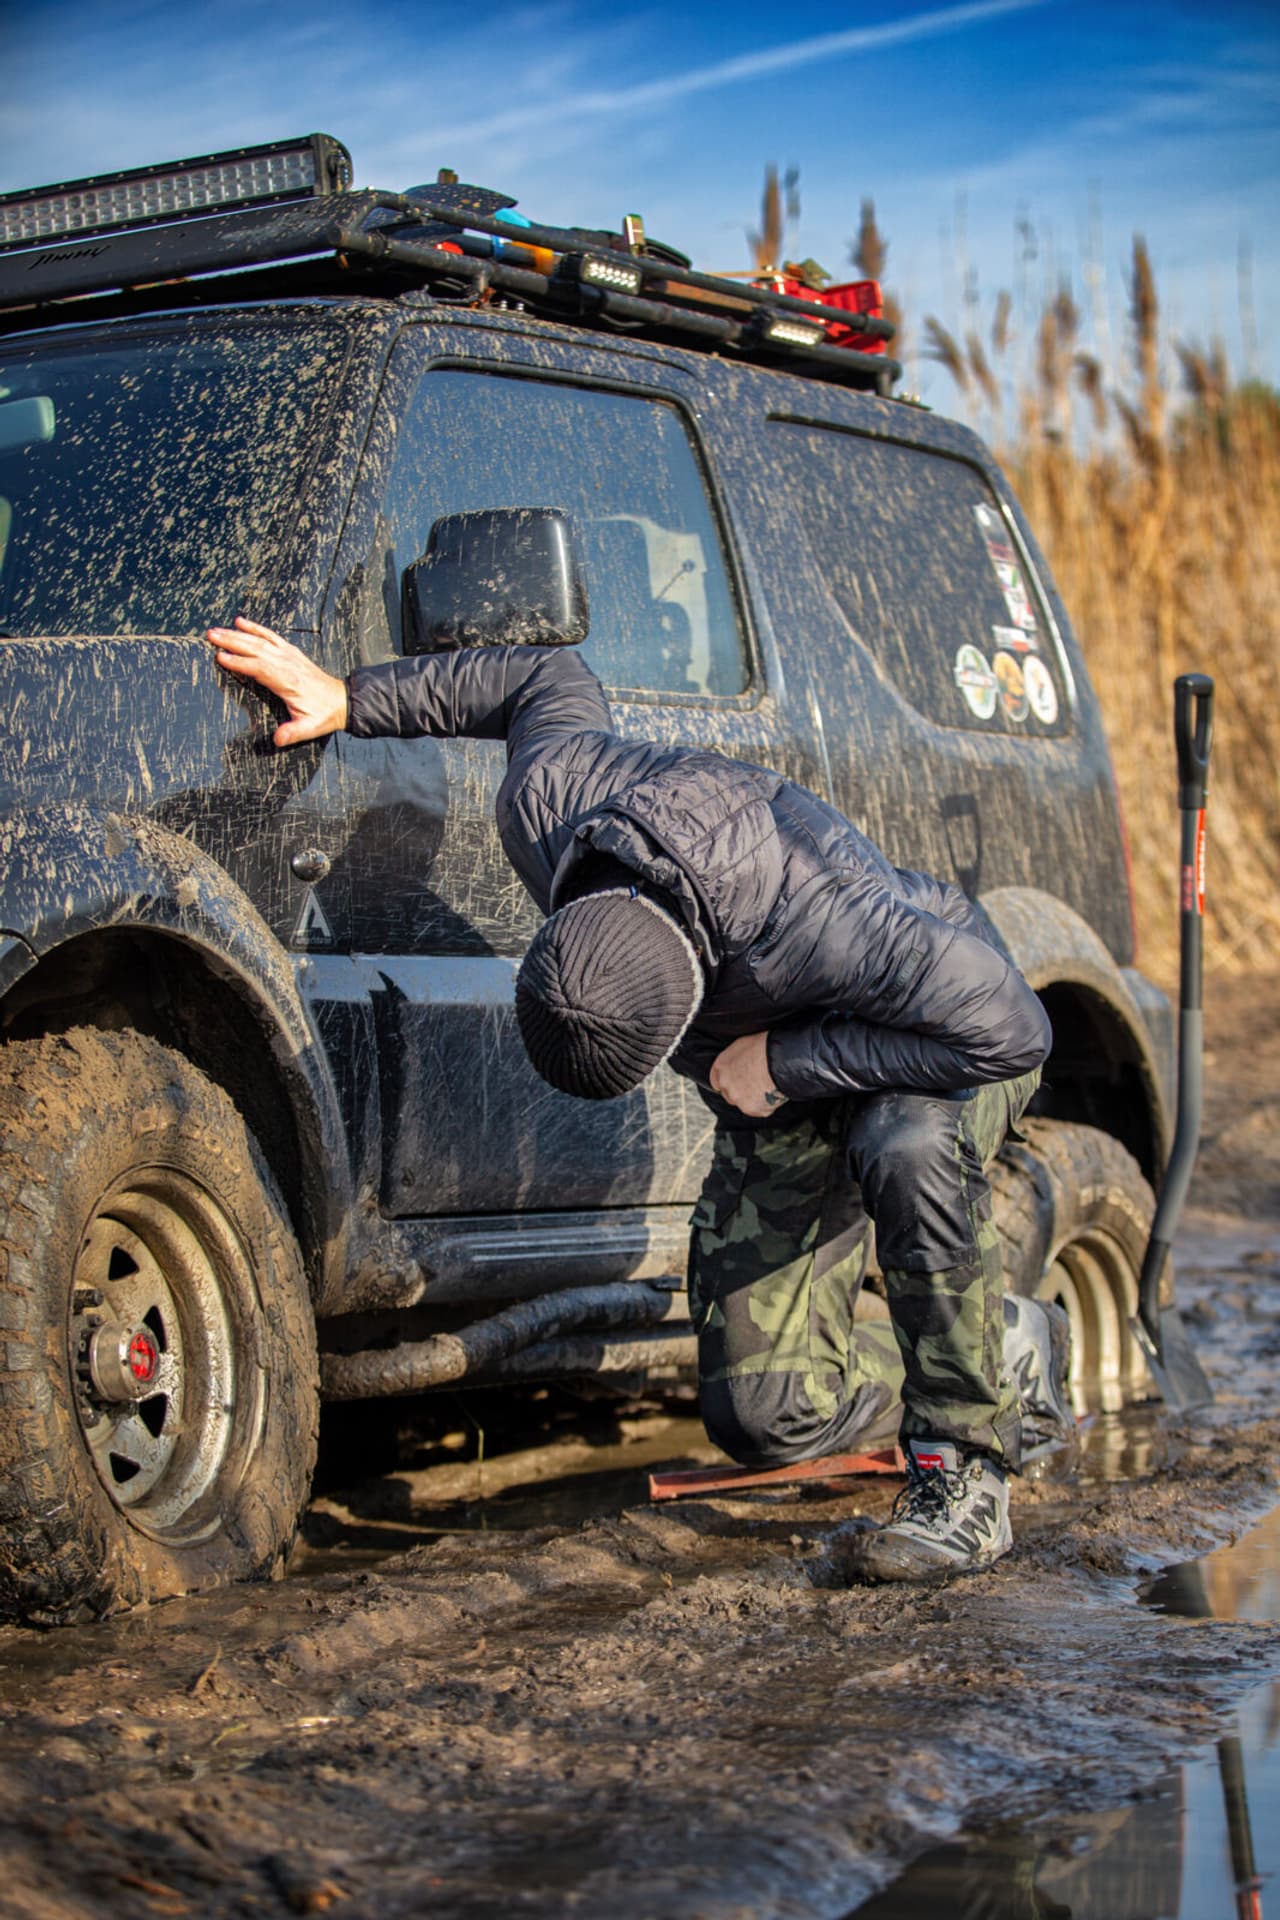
point(1013, 690)
point(1041, 691)
point(976, 682)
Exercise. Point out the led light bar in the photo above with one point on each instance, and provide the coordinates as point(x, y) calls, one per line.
point(790, 333)
point(618, 275)
point(146, 196)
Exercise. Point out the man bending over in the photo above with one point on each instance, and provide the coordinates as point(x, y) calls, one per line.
point(862, 1039)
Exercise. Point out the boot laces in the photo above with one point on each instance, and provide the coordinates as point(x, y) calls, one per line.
point(930, 1494)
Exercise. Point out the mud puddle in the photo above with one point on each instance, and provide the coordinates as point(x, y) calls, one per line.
point(1202, 1839)
point(561, 1483)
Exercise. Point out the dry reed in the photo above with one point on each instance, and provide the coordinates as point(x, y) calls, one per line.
point(1167, 553)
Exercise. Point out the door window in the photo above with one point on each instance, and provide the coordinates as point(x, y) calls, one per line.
point(663, 618)
point(143, 477)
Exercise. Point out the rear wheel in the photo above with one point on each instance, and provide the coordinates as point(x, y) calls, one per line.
point(157, 1373)
point(1074, 1213)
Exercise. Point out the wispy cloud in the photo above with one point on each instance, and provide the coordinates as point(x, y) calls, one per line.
point(765, 64)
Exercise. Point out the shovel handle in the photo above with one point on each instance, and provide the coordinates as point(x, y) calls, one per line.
point(1193, 736)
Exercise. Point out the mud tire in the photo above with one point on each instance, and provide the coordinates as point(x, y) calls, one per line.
point(1074, 1213)
point(117, 1154)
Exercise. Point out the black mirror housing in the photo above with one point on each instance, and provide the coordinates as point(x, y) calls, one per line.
point(503, 577)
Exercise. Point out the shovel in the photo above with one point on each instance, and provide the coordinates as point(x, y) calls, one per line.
point(1158, 1329)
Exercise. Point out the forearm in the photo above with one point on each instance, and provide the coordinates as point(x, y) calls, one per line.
point(440, 695)
point(835, 1053)
point(476, 693)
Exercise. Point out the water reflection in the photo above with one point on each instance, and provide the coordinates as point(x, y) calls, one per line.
point(1237, 1583)
point(1121, 1866)
point(1122, 1446)
point(1202, 1841)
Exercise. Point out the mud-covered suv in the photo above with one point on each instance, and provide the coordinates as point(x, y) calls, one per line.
point(259, 1077)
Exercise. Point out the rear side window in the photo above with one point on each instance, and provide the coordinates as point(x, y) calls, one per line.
point(915, 552)
point(663, 618)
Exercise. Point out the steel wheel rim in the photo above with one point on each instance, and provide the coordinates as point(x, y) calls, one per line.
point(159, 1255)
point(1092, 1278)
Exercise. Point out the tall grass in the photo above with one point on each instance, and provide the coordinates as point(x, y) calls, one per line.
point(1166, 546)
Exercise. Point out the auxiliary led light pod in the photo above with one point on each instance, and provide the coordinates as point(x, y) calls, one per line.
point(282, 170)
point(790, 333)
point(618, 275)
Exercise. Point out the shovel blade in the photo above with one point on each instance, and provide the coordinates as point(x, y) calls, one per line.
point(1178, 1375)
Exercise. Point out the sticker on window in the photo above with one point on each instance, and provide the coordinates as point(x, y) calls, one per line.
point(1013, 688)
point(976, 682)
point(999, 552)
point(1015, 640)
point(1005, 565)
point(1040, 692)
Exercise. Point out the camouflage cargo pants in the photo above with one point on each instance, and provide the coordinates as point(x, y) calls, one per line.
point(779, 1247)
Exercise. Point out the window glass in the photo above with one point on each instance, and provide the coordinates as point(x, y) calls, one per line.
point(918, 557)
point(140, 476)
point(662, 613)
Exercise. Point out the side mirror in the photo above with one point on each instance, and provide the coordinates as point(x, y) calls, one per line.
point(507, 576)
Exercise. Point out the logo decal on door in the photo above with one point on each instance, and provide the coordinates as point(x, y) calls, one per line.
point(313, 929)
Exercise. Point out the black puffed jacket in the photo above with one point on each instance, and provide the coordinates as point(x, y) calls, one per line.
point(866, 976)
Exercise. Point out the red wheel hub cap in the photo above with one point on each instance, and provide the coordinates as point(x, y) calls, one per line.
point(144, 1357)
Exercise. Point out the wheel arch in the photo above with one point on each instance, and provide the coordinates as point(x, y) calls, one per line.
point(144, 929)
point(1111, 1062)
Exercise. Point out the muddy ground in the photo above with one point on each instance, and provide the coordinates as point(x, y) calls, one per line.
point(660, 1711)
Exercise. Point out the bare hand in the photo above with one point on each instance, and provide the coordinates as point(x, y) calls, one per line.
point(741, 1076)
point(317, 702)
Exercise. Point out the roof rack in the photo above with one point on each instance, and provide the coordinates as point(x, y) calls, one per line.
point(265, 206)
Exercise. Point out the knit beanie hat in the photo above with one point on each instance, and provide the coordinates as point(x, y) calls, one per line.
point(605, 993)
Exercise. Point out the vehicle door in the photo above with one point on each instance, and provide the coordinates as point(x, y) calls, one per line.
point(480, 416)
point(155, 478)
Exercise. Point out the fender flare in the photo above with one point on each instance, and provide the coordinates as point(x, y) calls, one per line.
point(1054, 947)
point(75, 870)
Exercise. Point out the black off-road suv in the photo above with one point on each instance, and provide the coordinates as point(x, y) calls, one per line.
point(260, 1085)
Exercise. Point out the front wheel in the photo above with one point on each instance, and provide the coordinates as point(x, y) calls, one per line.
point(1074, 1213)
point(158, 1395)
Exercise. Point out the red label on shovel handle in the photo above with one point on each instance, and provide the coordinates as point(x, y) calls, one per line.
point(1193, 876)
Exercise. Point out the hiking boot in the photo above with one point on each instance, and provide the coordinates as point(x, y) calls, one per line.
point(1037, 1354)
point(951, 1517)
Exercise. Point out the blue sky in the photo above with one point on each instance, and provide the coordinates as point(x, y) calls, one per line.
point(1078, 121)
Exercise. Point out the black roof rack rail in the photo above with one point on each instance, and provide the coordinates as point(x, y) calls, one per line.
point(570, 240)
point(148, 256)
point(569, 297)
point(453, 238)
